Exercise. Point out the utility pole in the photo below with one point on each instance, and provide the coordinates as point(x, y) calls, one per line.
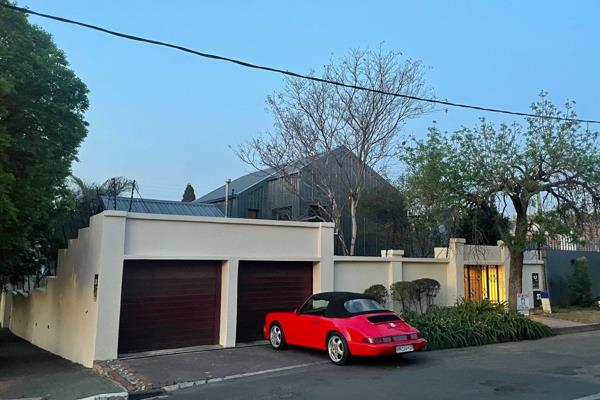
point(114, 192)
point(131, 198)
point(227, 182)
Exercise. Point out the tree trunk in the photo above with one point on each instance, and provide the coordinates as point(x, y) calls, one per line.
point(336, 218)
point(340, 237)
point(517, 247)
point(353, 208)
point(515, 283)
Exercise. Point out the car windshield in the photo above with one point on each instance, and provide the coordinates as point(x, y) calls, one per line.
point(314, 306)
point(362, 305)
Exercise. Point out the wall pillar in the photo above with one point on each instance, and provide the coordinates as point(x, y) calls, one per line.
point(395, 265)
point(323, 270)
point(5, 306)
point(111, 251)
point(455, 273)
point(229, 288)
point(394, 271)
point(505, 257)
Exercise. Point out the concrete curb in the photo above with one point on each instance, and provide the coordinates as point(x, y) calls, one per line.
point(189, 384)
point(30, 398)
point(145, 394)
point(576, 329)
point(107, 396)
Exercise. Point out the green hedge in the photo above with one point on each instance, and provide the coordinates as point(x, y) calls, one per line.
point(474, 323)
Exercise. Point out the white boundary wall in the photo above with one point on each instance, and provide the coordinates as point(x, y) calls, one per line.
point(358, 273)
point(62, 318)
point(67, 320)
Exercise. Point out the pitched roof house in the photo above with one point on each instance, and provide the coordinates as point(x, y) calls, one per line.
point(297, 195)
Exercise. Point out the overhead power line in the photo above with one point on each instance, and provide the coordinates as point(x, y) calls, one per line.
point(290, 73)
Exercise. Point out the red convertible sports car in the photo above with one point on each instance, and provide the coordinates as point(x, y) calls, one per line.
point(345, 325)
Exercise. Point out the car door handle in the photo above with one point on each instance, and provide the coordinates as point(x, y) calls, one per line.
point(316, 322)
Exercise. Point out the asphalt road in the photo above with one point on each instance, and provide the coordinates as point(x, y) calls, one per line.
point(561, 367)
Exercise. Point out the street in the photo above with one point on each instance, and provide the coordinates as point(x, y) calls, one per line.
point(561, 367)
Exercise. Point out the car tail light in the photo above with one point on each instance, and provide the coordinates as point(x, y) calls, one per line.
point(376, 340)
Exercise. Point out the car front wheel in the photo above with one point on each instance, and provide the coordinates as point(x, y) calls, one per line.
point(276, 337)
point(337, 348)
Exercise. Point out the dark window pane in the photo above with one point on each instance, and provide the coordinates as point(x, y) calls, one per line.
point(282, 213)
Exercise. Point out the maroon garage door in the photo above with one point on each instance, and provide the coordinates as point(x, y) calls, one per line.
point(269, 286)
point(169, 304)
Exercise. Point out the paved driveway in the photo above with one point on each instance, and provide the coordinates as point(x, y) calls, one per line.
point(561, 367)
point(28, 371)
point(200, 366)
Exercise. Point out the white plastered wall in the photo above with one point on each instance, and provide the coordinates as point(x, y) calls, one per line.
point(358, 273)
point(530, 267)
point(66, 320)
point(63, 318)
point(355, 274)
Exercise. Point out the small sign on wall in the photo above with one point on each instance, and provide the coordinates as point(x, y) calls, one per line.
point(535, 280)
point(537, 298)
point(546, 303)
point(523, 304)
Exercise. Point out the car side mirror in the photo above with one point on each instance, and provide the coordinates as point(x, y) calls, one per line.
point(296, 310)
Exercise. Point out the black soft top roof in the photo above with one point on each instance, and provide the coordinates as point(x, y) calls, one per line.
point(340, 296)
point(336, 308)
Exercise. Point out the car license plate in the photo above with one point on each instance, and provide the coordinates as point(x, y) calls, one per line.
point(405, 349)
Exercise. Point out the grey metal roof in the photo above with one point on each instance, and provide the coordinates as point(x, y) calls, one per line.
point(152, 206)
point(237, 185)
point(247, 181)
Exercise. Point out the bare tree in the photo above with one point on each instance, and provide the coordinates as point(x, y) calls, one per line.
point(312, 119)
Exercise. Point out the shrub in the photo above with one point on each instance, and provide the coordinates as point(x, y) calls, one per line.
point(379, 293)
point(426, 290)
point(405, 293)
point(580, 286)
point(413, 295)
point(474, 323)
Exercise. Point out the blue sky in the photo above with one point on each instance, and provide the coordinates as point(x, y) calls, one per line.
point(166, 118)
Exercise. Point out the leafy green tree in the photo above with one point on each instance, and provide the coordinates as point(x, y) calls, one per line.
point(384, 209)
point(430, 225)
point(510, 166)
point(580, 286)
point(188, 194)
point(478, 225)
point(42, 105)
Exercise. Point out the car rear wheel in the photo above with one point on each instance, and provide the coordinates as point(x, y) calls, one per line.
point(276, 337)
point(337, 349)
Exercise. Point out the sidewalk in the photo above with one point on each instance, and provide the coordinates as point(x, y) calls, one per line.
point(563, 326)
point(26, 371)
